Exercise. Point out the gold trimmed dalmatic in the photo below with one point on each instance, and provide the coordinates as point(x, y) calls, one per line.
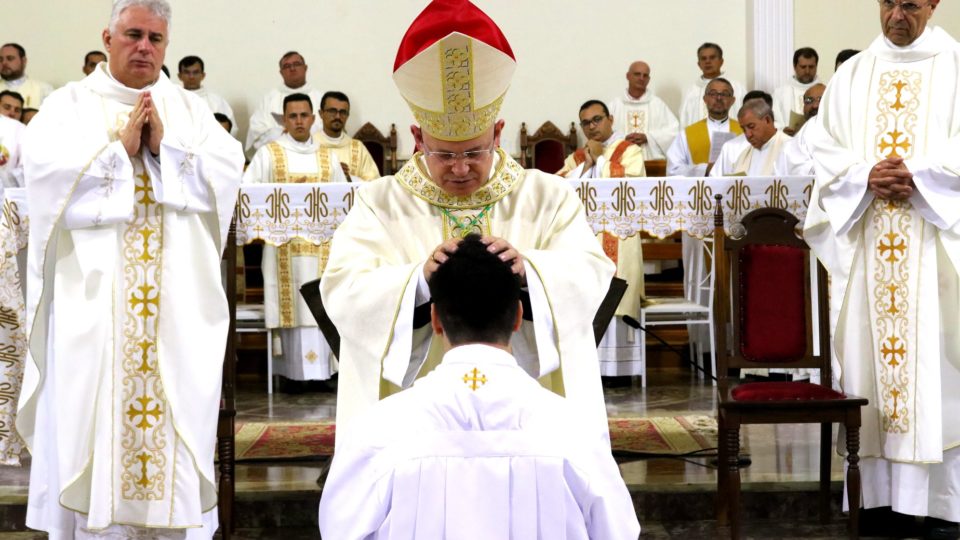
point(894, 282)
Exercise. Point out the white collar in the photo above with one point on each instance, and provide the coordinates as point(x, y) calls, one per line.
point(469, 353)
point(102, 82)
point(723, 122)
point(307, 147)
point(334, 140)
point(15, 83)
point(642, 99)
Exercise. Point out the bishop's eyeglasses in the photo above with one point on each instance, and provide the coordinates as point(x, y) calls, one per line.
point(449, 158)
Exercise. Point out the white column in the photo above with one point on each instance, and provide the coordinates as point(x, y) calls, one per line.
point(770, 47)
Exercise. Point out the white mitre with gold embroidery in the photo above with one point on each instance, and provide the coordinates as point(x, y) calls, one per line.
point(453, 68)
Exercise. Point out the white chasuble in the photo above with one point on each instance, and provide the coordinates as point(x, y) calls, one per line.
point(648, 115)
point(126, 309)
point(895, 298)
point(371, 283)
point(305, 353)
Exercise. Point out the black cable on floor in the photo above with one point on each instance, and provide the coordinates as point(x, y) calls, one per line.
point(633, 323)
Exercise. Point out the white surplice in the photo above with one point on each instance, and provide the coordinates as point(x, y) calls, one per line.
point(371, 280)
point(32, 90)
point(648, 115)
point(680, 161)
point(304, 353)
point(217, 105)
point(796, 159)
point(789, 98)
point(353, 153)
point(11, 137)
point(738, 156)
point(692, 107)
point(477, 449)
point(895, 290)
point(126, 310)
point(266, 122)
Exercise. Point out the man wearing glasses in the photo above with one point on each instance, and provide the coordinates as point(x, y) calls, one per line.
point(698, 145)
point(354, 157)
point(606, 153)
point(453, 68)
point(266, 123)
point(884, 218)
point(797, 156)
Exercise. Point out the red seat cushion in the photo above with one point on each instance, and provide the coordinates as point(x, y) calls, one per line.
point(783, 391)
point(773, 303)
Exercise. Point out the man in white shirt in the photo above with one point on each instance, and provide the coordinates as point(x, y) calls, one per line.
point(295, 157)
point(266, 123)
point(91, 59)
point(527, 462)
point(191, 73)
point(354, 156)
point(765, 143)
point(644, 118)
point(13, 64)
point(710, 61)
point(788, 99)
point(698, 145)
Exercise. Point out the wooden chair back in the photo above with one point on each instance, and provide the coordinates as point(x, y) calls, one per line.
point(383, 149)
point(546, 149)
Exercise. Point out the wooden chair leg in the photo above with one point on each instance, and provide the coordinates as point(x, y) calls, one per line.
point(826, 443)
point(853, 479)
point(723, 479)
point(733, 481)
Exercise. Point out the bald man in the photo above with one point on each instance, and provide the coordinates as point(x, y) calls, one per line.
point(642, 117)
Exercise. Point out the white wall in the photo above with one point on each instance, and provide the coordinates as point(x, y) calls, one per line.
point(830, 26)
point(568, 52)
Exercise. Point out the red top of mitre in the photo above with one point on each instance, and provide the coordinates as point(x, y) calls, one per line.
point(444, 17)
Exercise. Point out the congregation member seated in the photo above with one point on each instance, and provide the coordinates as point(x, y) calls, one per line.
point(476, 448)
point(11, 105)
point(710, 61)
point(643, 117)
point(13, 66)
point(354, 156)
point(788, 99)
point(698, 145)
point(191, 72)
point(266, 123)
point(756, 153)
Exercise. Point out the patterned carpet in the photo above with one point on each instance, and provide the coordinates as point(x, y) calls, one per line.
point(664, 436)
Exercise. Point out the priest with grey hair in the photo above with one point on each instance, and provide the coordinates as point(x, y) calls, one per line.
point(132, 185)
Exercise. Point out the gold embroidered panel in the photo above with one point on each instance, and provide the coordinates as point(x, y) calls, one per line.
point(661, 207)
point(417, 181)
point(13, 338)
point(279, 213)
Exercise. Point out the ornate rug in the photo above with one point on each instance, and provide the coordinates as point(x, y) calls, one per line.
point(666, 436)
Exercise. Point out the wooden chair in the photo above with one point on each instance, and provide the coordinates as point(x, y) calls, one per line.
point(547, 147)
point(655, 167)
point(764, 292)
point(382, 149)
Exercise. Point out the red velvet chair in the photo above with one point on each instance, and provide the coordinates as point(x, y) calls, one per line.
point(547, 147)
point(764, 292)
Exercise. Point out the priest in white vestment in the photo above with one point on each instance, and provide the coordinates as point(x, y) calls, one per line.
point(295, 158)
point(266, 122)
point(797, 156)
point(756, 152)
point(607, 154)
point(884, 219)
point(476, 449)
point(11, 137)
point(698, 145)
point(191, 72)
point(13, 77)
point(131, 186)
point(354, 157)
point(460, 182)
point(710, 61)
point(788, 98)
point(643, 117)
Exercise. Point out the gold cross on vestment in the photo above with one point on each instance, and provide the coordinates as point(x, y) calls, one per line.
point(472, 377)
point(143, 412)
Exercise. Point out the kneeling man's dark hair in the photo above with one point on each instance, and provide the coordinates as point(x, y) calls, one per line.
point(476, 295)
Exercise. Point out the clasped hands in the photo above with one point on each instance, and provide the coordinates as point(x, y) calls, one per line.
point(497, 246)
point(891, 180)
point(144, 127)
